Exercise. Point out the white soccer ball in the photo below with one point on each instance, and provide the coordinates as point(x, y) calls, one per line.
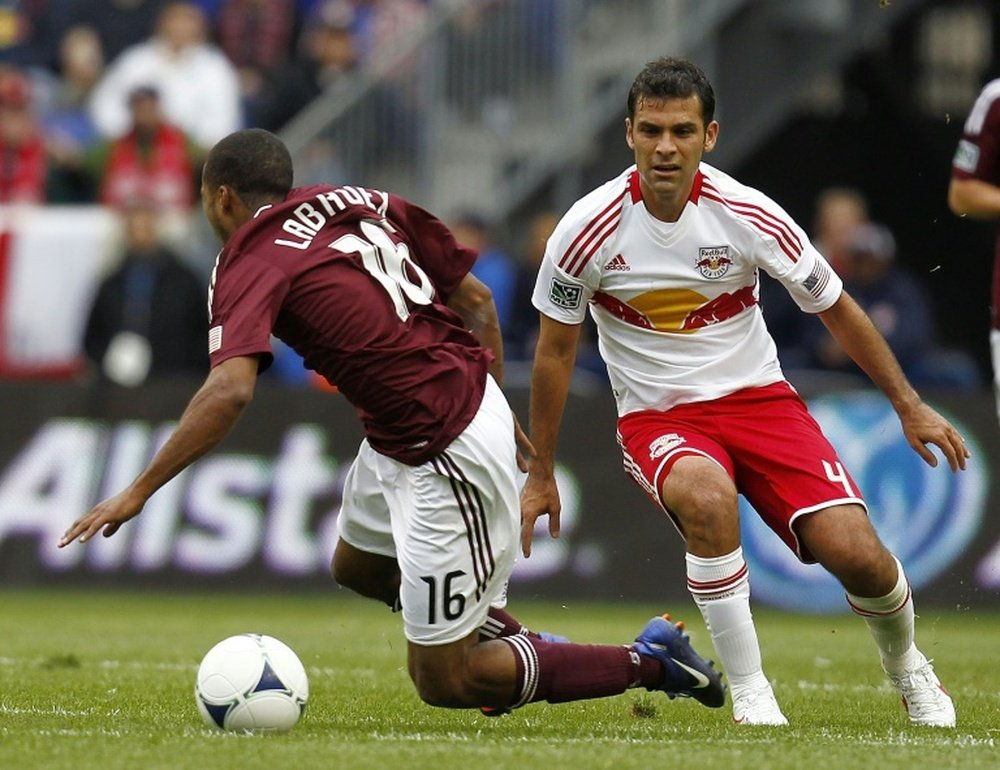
point(251, 682)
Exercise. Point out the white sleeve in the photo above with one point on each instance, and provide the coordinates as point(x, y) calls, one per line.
point(813, 284)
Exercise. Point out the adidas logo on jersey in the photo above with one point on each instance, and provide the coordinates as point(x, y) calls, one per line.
point(618, 263)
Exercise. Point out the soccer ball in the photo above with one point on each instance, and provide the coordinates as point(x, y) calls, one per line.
point(251, 682)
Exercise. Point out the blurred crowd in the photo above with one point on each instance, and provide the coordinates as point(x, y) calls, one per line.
point(116, 102)
point(107, 100)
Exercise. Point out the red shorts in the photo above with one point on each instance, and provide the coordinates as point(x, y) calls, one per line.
point(764, 438)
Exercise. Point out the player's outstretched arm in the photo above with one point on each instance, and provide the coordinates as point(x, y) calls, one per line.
point(922, 425)
point(974, 198)
point(555, 357)
point(209, 416)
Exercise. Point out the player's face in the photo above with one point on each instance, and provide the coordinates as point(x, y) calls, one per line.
point(668, 138)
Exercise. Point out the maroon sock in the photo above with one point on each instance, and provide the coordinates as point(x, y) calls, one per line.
point(501, 623)
point(564, 672)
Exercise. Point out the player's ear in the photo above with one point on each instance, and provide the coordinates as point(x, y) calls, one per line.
point(711, 135)
point(628, 133)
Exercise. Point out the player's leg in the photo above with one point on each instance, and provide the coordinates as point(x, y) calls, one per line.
point(703, 497)
point(456, 521)
point(843, 540)
point(371, 575)
point(514, 671)
point(690, 477)
point(801, 489)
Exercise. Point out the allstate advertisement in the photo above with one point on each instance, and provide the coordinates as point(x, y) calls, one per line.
point(260, 511)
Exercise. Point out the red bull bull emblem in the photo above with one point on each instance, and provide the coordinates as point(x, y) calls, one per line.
point(713, 261)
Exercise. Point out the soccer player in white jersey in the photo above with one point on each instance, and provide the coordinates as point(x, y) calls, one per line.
point(666, 256)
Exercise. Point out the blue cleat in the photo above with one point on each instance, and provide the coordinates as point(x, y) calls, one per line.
point(688, 675)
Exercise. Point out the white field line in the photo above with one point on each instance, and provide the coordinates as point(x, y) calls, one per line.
point(319, 671)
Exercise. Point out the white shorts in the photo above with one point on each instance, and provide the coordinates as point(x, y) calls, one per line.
point(452, 523)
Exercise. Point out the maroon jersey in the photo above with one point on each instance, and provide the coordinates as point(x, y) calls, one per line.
point(355, 281)
point(978, 157)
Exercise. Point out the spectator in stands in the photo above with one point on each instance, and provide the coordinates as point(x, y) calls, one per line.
point(839, 210)
point(257, 36)
point(148, 318)
point(901, 310)
point(153, 161)
point(119, 24)
point(522, 329)
point(198, 87)
point(29, 32)
point(493, 266)
point(69, 130)
point(327, 60)
point(23, 161)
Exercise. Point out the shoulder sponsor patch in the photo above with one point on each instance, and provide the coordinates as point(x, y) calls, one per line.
point(966, 156)
point(564, 294)
point(214, 339)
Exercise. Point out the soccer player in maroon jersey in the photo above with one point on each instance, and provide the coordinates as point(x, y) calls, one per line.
point(362, 284)
point(975, 191)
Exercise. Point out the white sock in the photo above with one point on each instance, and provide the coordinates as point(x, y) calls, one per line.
point(721, 588)
point(890, 620)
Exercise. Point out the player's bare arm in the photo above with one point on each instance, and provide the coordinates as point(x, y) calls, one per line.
point(208, 418)
point(555, 356)
point(922, 425)
point(473, 301)
point(974, 198)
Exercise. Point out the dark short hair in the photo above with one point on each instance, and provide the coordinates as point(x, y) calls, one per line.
point(253, 162)
point(670, 78)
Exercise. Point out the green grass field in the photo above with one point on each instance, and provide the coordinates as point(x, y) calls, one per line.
point(104, 680)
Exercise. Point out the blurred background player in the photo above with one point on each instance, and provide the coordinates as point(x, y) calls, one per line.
point(974, 191)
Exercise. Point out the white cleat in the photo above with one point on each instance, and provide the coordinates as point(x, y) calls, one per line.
point(757, 706)
point(925, 699)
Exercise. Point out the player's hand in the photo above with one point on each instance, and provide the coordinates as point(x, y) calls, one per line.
point(539, 497)
point(109, 515)
point(525, 448)
point(923, 426)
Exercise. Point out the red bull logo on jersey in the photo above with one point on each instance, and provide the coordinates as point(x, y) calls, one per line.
point(713, 261)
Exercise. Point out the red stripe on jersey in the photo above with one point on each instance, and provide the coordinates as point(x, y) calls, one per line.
point(633, 186)
point(699, 181)
point(785, 227)
point(581, 245)
point(753, 215)
point(620, 310)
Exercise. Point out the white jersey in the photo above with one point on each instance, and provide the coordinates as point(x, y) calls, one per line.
point(676, 304)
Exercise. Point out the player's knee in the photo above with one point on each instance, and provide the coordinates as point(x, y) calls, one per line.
point(439, 687)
